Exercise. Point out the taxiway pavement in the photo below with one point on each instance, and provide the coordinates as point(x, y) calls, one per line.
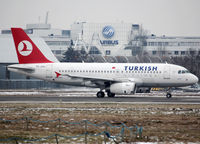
point(93, 99)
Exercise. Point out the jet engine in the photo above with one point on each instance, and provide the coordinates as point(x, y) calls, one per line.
point(122, 88)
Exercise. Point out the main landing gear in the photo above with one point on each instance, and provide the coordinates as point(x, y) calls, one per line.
point(101, 94)
point(109, 94)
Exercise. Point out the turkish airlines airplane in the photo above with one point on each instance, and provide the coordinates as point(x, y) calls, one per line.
point(113, 78)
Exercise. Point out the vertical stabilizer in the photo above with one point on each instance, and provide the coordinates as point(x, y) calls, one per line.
point(27, 51)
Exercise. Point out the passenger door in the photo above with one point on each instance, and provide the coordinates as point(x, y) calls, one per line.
point(166, 72)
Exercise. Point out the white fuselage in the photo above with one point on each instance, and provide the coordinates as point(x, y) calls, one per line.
point(90, 74)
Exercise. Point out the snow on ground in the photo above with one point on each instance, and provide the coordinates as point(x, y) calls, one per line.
point(20, 93)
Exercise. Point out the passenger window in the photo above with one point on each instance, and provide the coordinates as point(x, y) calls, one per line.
point(183, 71)
point(179, 72)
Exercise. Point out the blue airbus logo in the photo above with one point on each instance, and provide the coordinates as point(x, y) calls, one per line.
point(108, 32)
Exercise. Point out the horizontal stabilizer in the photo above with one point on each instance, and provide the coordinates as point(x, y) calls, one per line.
point(26, 69)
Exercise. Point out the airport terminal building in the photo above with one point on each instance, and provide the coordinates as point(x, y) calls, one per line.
point(103, 38)
point(126, 39)
point(108, 39)
point(172, 46)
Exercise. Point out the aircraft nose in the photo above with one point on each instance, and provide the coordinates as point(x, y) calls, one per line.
point(194, 79)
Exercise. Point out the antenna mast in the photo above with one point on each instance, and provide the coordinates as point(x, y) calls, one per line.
point(46, 21)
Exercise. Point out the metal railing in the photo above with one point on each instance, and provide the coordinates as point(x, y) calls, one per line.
point(137, 130)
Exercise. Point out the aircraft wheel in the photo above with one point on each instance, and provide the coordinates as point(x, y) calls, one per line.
point(169, 95)
point(110, 94)
point(100, 94)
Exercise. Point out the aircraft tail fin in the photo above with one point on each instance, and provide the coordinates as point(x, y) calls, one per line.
point(27, 51)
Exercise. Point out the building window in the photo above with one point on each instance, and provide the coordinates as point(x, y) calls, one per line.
point(58, 51)
point(107, 52)
point(176, 52)
point(163, 52)
point(192, 52)
point(54, 51)
point(159, 43)
point(154, 52)
point(58, 43)
point(94, 50)
point(66, 33)
point(182, 52)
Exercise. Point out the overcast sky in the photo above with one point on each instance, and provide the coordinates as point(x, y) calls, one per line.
point(161, 17)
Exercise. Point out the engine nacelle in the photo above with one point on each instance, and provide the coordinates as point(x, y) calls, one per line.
point(122, 88)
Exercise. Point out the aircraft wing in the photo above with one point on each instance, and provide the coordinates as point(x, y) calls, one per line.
point(91, 78)
point(101, 79)
point(26, 69)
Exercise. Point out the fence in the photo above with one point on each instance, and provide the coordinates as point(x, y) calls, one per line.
point(28, 84)
point(137, 130)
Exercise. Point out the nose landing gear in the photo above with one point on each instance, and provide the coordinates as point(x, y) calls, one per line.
point(169, 95)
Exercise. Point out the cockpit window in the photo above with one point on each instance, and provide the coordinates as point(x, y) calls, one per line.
point(183, 71)
point(187, 71)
